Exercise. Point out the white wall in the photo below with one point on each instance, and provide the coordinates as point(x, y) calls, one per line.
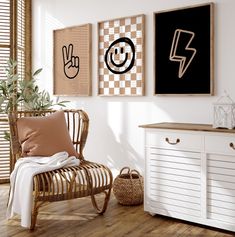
point(114, 137)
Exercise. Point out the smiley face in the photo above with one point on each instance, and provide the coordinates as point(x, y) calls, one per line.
point(120, 56)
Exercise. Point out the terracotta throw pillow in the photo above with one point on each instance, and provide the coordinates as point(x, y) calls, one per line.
point(45, 136)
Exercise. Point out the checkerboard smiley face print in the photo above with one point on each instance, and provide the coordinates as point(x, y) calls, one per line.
point(121, 56)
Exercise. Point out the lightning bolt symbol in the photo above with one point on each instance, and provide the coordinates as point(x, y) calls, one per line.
point(182, 37)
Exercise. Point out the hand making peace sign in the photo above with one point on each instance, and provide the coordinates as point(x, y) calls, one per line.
point(71, 63)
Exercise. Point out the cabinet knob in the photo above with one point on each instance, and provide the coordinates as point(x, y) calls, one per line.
point(172, 143)
point(232, 145)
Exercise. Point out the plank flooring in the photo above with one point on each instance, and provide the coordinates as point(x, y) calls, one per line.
point(77, 218)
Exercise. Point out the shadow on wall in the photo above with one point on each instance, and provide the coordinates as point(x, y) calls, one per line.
point(116, 138)
point(114, 151)
point(123, 155)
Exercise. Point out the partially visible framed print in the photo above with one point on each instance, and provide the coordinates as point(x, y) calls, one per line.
point(184, 51)
point(72, 61)
point(121, 57)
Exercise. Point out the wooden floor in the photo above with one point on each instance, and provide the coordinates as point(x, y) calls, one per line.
point(76, 218)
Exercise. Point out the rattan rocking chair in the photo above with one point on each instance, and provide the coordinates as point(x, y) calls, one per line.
point(87, 179)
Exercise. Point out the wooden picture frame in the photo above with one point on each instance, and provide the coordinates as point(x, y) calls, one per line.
point(183, 51)
point(121, 56)
point(72, 61)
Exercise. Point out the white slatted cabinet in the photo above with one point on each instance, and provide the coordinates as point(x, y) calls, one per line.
point(190, 173)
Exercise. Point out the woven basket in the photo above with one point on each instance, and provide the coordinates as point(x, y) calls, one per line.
point(128, 187)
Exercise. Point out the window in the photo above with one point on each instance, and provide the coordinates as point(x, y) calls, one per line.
point(15, 43)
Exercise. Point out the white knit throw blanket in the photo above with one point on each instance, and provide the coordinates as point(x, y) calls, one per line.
point(21, 179)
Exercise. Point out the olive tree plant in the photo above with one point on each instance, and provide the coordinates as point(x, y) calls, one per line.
point(15, 92)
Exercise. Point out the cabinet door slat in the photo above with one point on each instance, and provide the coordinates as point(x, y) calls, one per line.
point(183, 191)
point(183, 197)
point(221, 184)
point(179, 154)
point(175, 184)
point(222, 204)
point(225, 191)
point(221, 177)
point(222, 211)
point(222, 218)
point(216, 170)
point(185, 173)
point(178, 203)
point(224, 158)
point(180, 160)
point(172, 208)
point(174, 165)
point(220, 197)
point(221, 164)
point(178, 178)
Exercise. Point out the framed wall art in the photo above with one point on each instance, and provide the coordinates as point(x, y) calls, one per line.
point(121, 56)
point(184, 51)
point(72, 61)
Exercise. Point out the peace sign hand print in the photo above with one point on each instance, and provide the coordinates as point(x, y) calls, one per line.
point(71, 62)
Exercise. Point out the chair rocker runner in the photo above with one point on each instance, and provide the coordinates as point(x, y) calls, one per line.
point(86, 179)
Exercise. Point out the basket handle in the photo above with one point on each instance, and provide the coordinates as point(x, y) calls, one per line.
point(134, 171)
point(124, 168)
point(141, 186)
point(137, 172)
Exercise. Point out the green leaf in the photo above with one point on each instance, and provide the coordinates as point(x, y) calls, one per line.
point(37, 72)
point(7, 136)
point(61, 104)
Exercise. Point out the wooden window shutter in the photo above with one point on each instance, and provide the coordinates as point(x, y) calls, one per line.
point(15, 43)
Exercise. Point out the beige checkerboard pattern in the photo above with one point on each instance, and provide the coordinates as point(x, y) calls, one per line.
point(130, 83)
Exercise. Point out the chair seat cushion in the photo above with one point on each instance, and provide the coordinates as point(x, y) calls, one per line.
point(45, 136)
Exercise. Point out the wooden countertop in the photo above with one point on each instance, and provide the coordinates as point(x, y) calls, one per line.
point(187, 126)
